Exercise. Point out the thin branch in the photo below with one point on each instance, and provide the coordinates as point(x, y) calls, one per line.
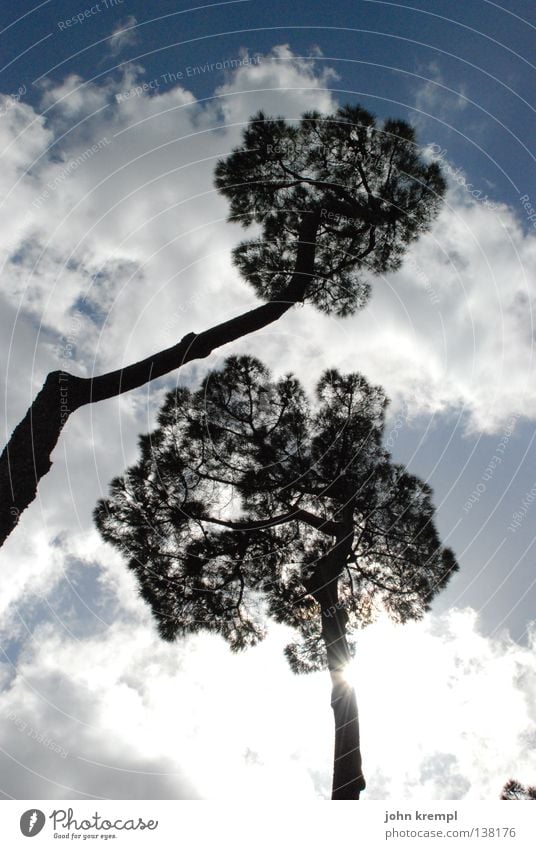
point(325, 526)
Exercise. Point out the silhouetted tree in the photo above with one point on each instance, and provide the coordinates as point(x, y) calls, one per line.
point(337, 198)
point(514, 791)
point(250, 501)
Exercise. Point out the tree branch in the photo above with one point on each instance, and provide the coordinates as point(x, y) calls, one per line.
point(326, 526)
point(26, 457)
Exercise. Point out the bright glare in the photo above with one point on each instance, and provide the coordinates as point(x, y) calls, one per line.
point(429, 707)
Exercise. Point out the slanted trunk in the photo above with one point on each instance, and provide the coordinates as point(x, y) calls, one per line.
point(26, 457)
point(348, 780)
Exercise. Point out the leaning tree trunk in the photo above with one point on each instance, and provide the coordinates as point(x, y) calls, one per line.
point(348, 780)
point(26, 457)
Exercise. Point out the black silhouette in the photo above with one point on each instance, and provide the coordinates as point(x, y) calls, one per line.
point(249, 500)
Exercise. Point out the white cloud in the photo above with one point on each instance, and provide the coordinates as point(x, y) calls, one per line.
point(127, 252)
point(260, 86)
point(143, 719)
point(453, 331)
point(434, 98)
point(124, 35)
point(120, 236)
point(464, 709)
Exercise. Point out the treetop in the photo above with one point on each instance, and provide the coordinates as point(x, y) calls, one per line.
point(364, 189)
point(251, 500)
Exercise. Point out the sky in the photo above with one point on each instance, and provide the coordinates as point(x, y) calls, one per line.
point(114, 244)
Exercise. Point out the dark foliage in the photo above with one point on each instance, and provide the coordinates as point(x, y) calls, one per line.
point(369, 186)
point(250, 500)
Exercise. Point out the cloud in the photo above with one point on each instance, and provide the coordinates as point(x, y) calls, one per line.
point(120, 714)
point(124, 35)
point(464, 709)
point(433, 98)
point(304, 83)
point(109, 710)
point(61, 718)
point(453, 331)
point(113, 245)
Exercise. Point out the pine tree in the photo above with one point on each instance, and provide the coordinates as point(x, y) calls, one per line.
point(338, 199)
point(249, 501)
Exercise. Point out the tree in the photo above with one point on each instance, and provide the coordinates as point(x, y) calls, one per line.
point(249, 501)
point(513, 791)
point(337, 198)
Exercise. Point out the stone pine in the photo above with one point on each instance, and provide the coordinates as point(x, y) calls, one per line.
point(252, 501)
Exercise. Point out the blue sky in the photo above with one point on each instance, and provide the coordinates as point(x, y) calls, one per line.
point(110, 257)
point(381, 51)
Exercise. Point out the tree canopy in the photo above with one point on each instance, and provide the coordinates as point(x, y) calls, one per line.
point(243, 490)
point(366, 187)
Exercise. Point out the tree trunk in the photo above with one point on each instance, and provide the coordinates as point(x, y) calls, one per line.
point(348, 780)
point(26, 457)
